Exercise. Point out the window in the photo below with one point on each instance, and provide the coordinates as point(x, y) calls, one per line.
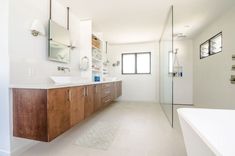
point(211, 46)
point(136, 63)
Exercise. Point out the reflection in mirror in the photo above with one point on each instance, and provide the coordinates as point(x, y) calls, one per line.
point(59, 43)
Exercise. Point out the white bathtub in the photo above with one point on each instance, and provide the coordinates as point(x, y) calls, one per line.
point(208, 132)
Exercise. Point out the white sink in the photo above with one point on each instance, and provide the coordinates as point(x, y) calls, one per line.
point(61, 80)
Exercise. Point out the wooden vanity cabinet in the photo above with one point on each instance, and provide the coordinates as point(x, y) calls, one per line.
point(89, 100)
point(30, 114)
point(44, 114)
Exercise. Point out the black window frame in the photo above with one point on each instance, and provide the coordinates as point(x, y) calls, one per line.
point(209, 41)
point(135, 54)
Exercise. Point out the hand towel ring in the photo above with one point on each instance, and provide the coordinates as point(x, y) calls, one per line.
point(84, 65)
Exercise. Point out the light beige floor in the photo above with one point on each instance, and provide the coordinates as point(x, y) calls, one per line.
point(143, 131)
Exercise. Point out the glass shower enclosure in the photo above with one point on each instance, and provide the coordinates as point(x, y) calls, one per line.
point(166, 67)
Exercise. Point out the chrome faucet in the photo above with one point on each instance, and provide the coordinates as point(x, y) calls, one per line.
point(63, 69)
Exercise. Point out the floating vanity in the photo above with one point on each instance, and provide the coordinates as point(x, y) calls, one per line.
point(43, 112)
point(208, 132)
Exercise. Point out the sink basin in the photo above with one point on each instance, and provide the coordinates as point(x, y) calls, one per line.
point(60, 80)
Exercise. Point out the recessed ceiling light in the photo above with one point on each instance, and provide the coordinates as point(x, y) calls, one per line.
point(179, 35)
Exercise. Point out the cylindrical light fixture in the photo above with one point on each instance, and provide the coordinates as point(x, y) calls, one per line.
point(37, 28)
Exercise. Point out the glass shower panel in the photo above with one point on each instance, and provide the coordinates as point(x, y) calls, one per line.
point(166, 68)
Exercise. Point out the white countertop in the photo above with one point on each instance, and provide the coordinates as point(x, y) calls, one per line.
point(215, 127)
point(54, 86)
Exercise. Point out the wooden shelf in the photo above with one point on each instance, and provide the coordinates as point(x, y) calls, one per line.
point(93, 47)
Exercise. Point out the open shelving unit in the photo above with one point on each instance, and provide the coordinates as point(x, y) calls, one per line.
point(97, 58)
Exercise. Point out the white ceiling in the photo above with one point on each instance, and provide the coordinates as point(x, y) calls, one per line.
point(128, 21)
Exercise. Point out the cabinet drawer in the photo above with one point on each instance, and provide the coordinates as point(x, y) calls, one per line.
point(106, 85)
point(106, 100)
point(106, 92)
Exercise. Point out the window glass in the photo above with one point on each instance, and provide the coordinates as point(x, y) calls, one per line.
point(216, 44)
point(143, 63)
point(205, 49)
point(211, 46)
point(128, 63)
point(136, 63)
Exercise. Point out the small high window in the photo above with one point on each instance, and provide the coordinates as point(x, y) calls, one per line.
point(136, 63)
point(211, 46)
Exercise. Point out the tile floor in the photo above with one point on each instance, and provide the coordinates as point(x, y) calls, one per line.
point(143, 131)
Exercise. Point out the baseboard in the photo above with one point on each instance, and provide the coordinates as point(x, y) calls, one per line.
point(22, 149)
point(4, 153)
point(184, 104)
point(133, 101)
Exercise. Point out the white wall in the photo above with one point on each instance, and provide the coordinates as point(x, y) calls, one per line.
point(85, 46)
point(28, 54)
point(137, 87)
point(4, 81)
point(212, 87)
point(183, 87)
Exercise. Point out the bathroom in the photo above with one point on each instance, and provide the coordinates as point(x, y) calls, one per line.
point(154, 59)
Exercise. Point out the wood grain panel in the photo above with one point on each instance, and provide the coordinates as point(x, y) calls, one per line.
point(77, 105)
point(89, 100)
point(30, 114)
point(98, 96)
point(58, 112)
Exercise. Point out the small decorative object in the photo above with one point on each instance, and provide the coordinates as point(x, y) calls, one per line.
point(84, 65)
point(178, 71)
point(97, 78)
point(37, 28)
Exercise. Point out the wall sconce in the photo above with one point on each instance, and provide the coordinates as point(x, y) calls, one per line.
point(73, 45)
point(116, 64)
point(37, 28)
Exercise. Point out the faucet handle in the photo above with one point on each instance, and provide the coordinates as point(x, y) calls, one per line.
point(59, 68)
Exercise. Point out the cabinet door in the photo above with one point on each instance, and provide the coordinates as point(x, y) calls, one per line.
point(77, 100)
point(89, 101)
point(98, 99)
point(30, 114)
point(58, 112)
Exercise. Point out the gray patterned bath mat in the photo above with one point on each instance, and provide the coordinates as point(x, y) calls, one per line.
point(100, 136)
